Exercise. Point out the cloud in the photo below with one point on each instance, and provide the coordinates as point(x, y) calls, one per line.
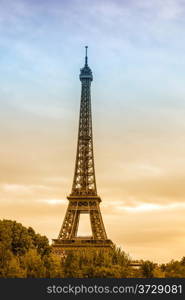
point(165, 10)
point(144, 207)
point(53, 201)
point(17, 188)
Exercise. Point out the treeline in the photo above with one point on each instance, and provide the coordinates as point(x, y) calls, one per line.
point(25, 254)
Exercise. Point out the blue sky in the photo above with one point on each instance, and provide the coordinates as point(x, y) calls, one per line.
point(136, 53)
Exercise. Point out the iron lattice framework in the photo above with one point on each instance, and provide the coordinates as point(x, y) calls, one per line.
point(83, 197)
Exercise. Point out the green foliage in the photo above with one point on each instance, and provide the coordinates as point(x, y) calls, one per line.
point(53, 264)
point(183, 261)
point(39, 242)
point(147, 269)
point(14, 269)
point(175, 269)
point(33, 264)
point(96, 263)
point(14, 237)
point(24, 254)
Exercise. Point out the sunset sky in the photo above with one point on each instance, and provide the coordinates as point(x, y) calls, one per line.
point(137, 55)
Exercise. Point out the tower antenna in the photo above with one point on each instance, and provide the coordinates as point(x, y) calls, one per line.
point(86, 58)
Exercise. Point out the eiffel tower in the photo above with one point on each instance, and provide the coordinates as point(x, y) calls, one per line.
point(83, 198)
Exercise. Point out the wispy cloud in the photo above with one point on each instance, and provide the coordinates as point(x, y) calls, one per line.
point(145, 207)
point(17, 188)
point(53, 201)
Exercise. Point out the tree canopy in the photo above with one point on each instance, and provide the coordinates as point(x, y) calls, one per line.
point(25, 254)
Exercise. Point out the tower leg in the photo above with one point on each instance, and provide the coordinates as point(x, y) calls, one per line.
point(97, 225)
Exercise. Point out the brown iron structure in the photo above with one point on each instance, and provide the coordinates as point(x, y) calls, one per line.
point(83, 198)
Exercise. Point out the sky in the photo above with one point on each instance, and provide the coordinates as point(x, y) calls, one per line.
point(136, 53)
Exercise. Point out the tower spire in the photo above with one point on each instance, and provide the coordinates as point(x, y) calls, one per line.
point(86, 58)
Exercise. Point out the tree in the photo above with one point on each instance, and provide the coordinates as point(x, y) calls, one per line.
point(5, 257)
point(15, 237)
point(24, 253)
point(14, 269)
point(183, 261)
point(175, 269)
point(147, 269)
point(53, 265)
point(33, 264)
